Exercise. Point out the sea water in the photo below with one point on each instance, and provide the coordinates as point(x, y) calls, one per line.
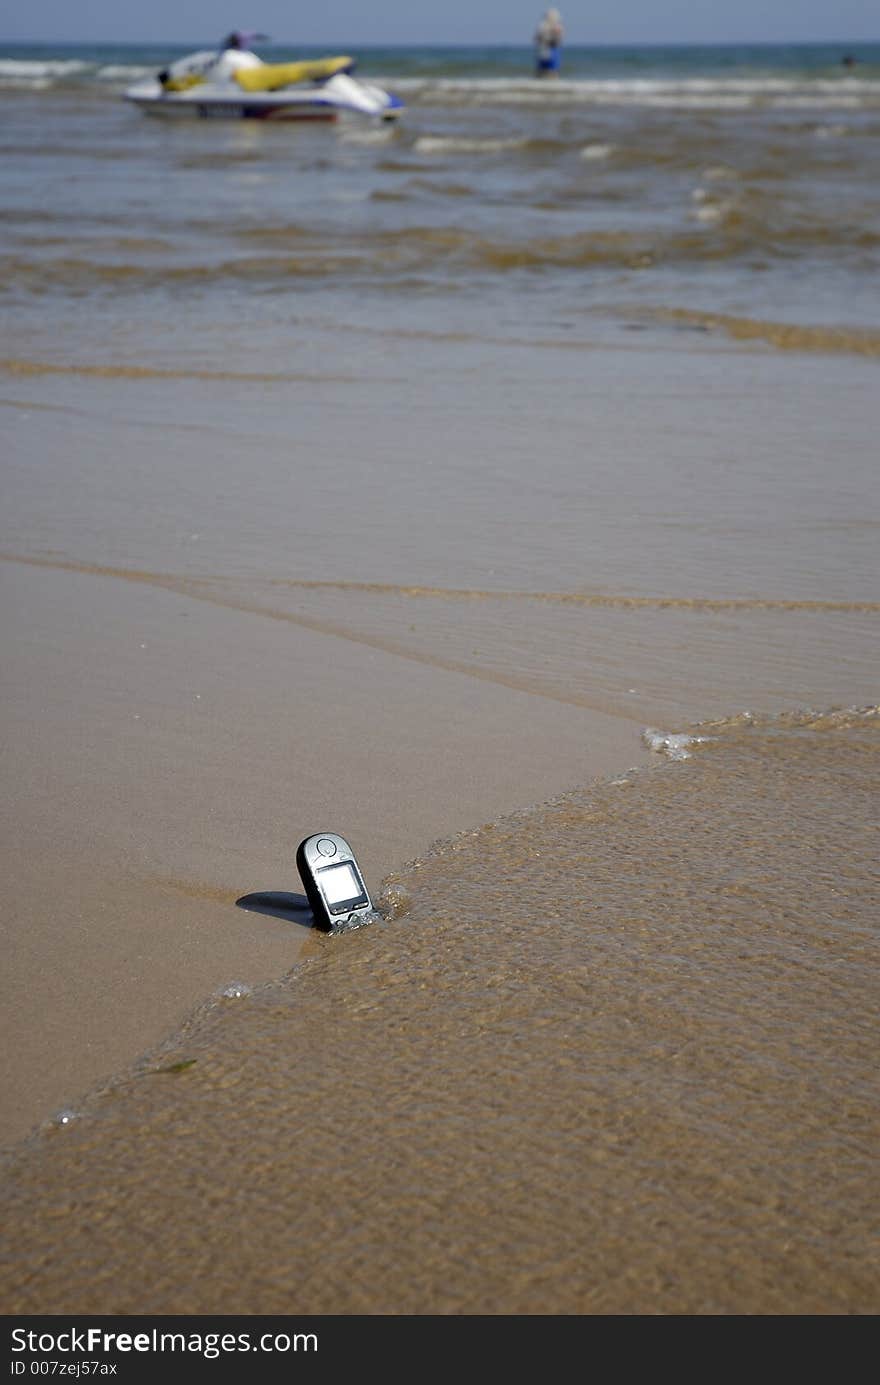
point(590, 369)
point(730, 191)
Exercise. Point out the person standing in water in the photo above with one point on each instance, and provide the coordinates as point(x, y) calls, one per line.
point(548, 42)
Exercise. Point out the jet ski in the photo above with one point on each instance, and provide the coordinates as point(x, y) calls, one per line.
point(232, 83)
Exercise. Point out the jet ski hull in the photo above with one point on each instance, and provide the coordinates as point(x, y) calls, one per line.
point(206, 88)
point(207, 107)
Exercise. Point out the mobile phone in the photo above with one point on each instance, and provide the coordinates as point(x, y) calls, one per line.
point(333, 881)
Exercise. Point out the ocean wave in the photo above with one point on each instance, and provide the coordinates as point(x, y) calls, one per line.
point(733, 232)
point(26, 69)
point(42, 74)
point(797, 719)
point(119, 72)
point(18, 75)
point(465, 144)
point(785, 336)
point(693, 92)
point(78, 276)
point(677, 745)
point(682, 93)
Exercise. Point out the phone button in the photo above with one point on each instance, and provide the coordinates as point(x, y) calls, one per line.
point(326, 847)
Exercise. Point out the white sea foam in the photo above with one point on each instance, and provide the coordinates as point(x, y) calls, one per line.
point(38, 74)
point(442, 144)
point(596, 151)
point(719, 173)
point(710, 213)
point(236, 990)
point(118, 72)
point(709, 208)
point(27, 68)
point(64, 1117)
point(382, 134)
point(674, 745)
point(724, 93)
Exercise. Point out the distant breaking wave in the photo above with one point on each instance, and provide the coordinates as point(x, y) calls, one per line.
point(28, 70)
point(698, 92)
point(33, 75)
point(673, 93)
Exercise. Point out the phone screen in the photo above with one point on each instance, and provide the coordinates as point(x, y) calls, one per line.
point(339, 883)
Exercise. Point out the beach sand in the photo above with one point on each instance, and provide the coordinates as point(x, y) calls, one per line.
point(611, 1056)
point(165, 756)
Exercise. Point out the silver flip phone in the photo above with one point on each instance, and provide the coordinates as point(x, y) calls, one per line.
point(333, 883)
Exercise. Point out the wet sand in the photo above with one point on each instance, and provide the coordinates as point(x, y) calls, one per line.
point(613, 1056)
point(166, 755)
point(554, 1080)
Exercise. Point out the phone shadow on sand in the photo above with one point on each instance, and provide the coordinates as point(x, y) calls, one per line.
point(279, 904)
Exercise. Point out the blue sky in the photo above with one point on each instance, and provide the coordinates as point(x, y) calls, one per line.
point(351, 22)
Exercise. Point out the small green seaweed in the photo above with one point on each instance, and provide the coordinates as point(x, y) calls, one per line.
point(178, 1067)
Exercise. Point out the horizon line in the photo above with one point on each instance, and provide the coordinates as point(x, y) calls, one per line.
point(441, 43)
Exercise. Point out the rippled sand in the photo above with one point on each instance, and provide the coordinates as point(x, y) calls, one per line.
point(615, 1055)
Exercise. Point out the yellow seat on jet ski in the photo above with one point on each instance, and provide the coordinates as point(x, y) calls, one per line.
point(270, 76)
point(189, 79)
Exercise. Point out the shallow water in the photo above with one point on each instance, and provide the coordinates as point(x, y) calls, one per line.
point(613, 1055)
point(725, 186)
